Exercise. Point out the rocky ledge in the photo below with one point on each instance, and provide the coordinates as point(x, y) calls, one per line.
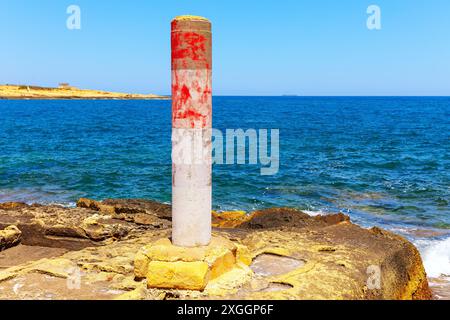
point(94, 251)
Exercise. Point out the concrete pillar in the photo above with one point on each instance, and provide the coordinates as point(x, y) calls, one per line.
point(191, 131)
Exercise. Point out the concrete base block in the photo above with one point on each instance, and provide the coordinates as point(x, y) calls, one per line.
point(170, 267)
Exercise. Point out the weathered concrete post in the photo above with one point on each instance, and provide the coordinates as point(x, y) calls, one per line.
point(191, 133)
point(192, 258)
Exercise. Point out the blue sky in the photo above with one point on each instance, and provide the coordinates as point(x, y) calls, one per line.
point(304, 47)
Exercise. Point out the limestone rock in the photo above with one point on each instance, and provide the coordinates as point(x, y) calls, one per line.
point(9, 237)
point(229, 219)
point(178, 275)
point(97, 230)
point(141, 262)
point(290, 218)
point(70, 228)
point(143, 212)
point(169, 266)
point(277, 253)
point(12, 205)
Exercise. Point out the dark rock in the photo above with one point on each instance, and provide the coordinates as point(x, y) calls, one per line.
point(289, 218)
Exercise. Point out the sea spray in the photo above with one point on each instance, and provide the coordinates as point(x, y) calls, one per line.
point(436, 257)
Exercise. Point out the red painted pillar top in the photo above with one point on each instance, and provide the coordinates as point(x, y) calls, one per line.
point(191, 43)
point(191, 73)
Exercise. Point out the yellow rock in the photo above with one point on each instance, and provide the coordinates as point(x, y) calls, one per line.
point(10, 232)
point(96, 205)
point(233, 215)
point(244, 255)
point(140, 265)
point(126, 283)
point(106, 209)
point(9, 237)
point(334, 262)
point(7, 275)
point(229, 219)
point(163, 250)
point(131, 295)
point(230, 282)
point(178, 275)
point(222, 263)
point(12, 205)
point(283, 252)
point(86, 203)
point(169, 266)
point(92, 220)
point(58, 267)
point(139, 293)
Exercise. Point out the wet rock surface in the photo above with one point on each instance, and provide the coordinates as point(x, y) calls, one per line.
point(90, 252)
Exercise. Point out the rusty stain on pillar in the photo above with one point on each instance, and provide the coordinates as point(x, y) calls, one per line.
point(191, 131)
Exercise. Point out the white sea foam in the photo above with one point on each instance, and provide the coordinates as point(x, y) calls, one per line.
point(314, 213)
point(436, 257)
point(61, 204)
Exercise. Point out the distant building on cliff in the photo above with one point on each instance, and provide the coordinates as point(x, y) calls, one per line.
point(64, 85)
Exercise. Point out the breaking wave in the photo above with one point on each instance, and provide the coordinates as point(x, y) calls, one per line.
point(436, 257)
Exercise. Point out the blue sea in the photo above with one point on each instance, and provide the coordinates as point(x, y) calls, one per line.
point(384, 161)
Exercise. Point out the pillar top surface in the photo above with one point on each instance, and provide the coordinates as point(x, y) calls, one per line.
point(190, 18)
point(191, 23)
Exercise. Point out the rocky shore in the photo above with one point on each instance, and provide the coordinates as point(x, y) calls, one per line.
point(94, 251)
point(25, 92)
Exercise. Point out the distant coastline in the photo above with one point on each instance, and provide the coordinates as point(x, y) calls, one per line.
point(65, 91)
